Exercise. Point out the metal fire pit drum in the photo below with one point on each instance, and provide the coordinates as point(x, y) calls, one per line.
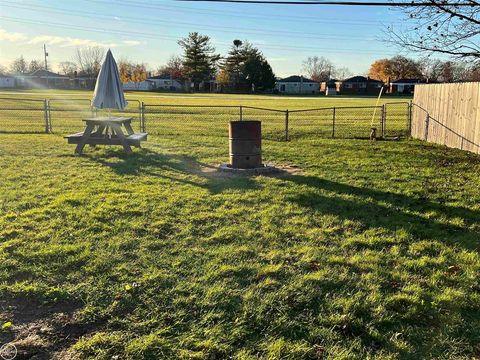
point(245, 144)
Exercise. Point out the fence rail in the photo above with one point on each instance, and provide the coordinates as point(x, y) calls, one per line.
point(65, 115)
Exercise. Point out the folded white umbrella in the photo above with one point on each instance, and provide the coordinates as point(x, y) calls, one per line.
point(108, 92)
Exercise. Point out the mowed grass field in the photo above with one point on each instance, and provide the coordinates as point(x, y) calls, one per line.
point(362, 250)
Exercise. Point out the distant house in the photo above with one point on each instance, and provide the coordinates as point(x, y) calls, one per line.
point(43, 79)
point(404, 86)
point(145, 85)
point(297, 85)
point(83, 81)
point(166, 83)
point(331, 87)
point(361, 85)
point(7, 81)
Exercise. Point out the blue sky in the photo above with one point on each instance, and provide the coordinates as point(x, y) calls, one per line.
point(147, 30)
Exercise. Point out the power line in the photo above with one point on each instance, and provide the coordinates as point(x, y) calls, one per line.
point(175, 39)
point(342, 3)
point(275, 33)
point(290, 18)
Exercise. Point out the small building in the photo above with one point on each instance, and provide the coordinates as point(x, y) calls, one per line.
point(166, 83)
point(43, 79)
point(297, 85)
point(7, 81)
point(404, 86)
point(361, 85)
point(145, 85)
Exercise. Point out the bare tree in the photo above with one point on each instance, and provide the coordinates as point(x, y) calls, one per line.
point(341, 73)
point(35, 65)
point(67, 67)
point(19, 66)
point(89, 59)
point(430, 68)
point(440, 27)
point(318, 68)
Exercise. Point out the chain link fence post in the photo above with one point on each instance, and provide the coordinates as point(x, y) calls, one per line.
point(142, 117)
point(383, 120)
point(333, 121)
point(286, 125)
point(45, 116)
point(49, 116)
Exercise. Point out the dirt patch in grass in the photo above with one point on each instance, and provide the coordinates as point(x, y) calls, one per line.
point(41, 331)
point(280, 169)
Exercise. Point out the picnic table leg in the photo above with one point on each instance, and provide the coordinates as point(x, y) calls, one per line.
point(84, 139)
point(130, 131)
point(123, 140)
point(98, 132)
point(100, 129)
point(128, 126)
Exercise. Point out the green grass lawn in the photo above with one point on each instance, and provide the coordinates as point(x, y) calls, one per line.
point(366, 250)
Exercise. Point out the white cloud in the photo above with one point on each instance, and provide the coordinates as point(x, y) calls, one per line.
point(131, 42)
point(12, 36)
point(62, 41)
point(67, 41)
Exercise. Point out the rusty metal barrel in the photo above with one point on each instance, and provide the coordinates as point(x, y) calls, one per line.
point(245, 144)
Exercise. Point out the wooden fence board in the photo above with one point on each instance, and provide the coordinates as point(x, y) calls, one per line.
point(454, 112)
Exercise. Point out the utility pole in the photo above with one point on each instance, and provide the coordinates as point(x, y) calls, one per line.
point(45, 55)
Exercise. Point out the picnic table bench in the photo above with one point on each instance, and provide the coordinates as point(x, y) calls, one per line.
point(107, 131)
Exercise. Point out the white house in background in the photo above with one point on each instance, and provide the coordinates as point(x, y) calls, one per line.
point(166, 83)
point(144, 85)
point(7, 81)
point(297, 85)
point(42, 79)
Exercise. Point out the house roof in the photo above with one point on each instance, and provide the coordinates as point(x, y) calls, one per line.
point(361, 79)
point(161, 77)
point(46, 73)
point(297, 79)
point(408, 81)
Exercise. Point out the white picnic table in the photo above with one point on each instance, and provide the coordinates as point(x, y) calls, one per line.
point(107, 131)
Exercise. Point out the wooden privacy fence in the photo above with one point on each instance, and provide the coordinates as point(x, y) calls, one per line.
point(448, 114)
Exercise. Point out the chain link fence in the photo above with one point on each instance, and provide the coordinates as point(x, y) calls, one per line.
point(64, 116)
point(23, 115)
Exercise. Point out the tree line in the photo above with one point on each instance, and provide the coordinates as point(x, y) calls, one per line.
point(428, 69)
point(244, 68)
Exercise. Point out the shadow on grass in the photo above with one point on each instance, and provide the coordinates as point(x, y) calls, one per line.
point(374, 208)
point(174, 167)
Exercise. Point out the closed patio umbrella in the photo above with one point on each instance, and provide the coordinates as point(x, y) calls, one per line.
point(108, 92)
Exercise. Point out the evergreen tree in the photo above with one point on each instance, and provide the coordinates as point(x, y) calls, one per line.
point(257, 71)
point(234, 62)
point(199, 57)
point(246, 65)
